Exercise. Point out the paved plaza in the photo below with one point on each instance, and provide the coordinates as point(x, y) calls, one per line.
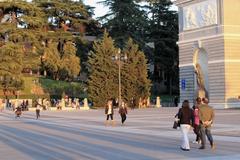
point(82, 135)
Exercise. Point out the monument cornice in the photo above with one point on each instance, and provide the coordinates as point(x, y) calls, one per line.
point(185, 42)
point(227, 31)
point(212, 62)
point(209, 38)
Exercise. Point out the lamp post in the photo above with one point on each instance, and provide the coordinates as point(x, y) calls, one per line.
point(119, 58)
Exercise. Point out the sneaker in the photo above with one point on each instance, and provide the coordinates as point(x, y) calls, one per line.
point(184, 149)
point(202, 147)
point(213, 146)
point(195, 142)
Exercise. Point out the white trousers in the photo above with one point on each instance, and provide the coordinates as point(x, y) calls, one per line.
point(185, 141)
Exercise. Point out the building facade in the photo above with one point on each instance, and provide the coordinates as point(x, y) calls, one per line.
point(209, 51)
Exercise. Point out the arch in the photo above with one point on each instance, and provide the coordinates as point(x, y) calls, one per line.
point(201, 83)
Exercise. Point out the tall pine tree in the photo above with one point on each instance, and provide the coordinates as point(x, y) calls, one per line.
point(163, 31)
point(103, 81)
point(124, 20)
point(11, 67)
point(135, 82)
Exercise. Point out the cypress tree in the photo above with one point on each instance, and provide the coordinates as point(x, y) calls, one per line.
point(11, 68)
point(135, 82)
point(103, 81)
point(125, 19)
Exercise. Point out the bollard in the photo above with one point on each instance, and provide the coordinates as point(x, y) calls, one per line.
point(63, 106)
point(148, 102)
point(158, 102)
point(85, 104)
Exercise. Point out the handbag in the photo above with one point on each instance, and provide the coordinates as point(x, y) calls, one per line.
point(176, 124)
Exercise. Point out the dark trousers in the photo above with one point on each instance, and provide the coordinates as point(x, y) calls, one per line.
point(124, 117)
point(196, 130)
point(18, 114)
point(206, 132)
point(110, 115)
point(37, 113)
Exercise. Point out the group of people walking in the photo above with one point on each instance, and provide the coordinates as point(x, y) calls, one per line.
point(18, 110)
point(200, 117)
point(109, 112)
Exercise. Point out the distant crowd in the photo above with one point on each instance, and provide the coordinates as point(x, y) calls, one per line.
point(46, 104)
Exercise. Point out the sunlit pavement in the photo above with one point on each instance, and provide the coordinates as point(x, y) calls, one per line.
point(81, 135)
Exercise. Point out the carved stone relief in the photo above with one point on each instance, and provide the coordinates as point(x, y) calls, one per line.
point(200, 15)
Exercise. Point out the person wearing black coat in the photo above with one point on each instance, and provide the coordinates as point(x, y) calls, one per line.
point(123, 112)
point(185, 115)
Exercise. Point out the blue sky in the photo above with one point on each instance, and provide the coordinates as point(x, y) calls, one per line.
point(100, 10)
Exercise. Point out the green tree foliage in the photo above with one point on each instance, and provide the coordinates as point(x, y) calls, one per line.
point(155, 23)
point(135, 83)
point(65, 14)
point(124, 20)
point(11, 67)
point(65, 18)
point(163, 31)
point(52, 59)
point(18, 45)
point(103, 79)
point(31, 19)
point(70, 60)
point(63, 65)
point(44, 31)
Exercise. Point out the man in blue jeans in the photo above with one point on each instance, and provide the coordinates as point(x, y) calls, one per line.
point(206, 116)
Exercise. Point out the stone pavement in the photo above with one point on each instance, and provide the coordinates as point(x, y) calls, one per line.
point(80, 135)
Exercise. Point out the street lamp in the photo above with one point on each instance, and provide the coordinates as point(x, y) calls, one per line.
point(119, 58)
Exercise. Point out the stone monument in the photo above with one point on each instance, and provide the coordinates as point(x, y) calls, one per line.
point(209, 51)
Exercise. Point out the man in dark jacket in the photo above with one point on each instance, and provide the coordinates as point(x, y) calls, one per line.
point(123, 112)
point(206, 116)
